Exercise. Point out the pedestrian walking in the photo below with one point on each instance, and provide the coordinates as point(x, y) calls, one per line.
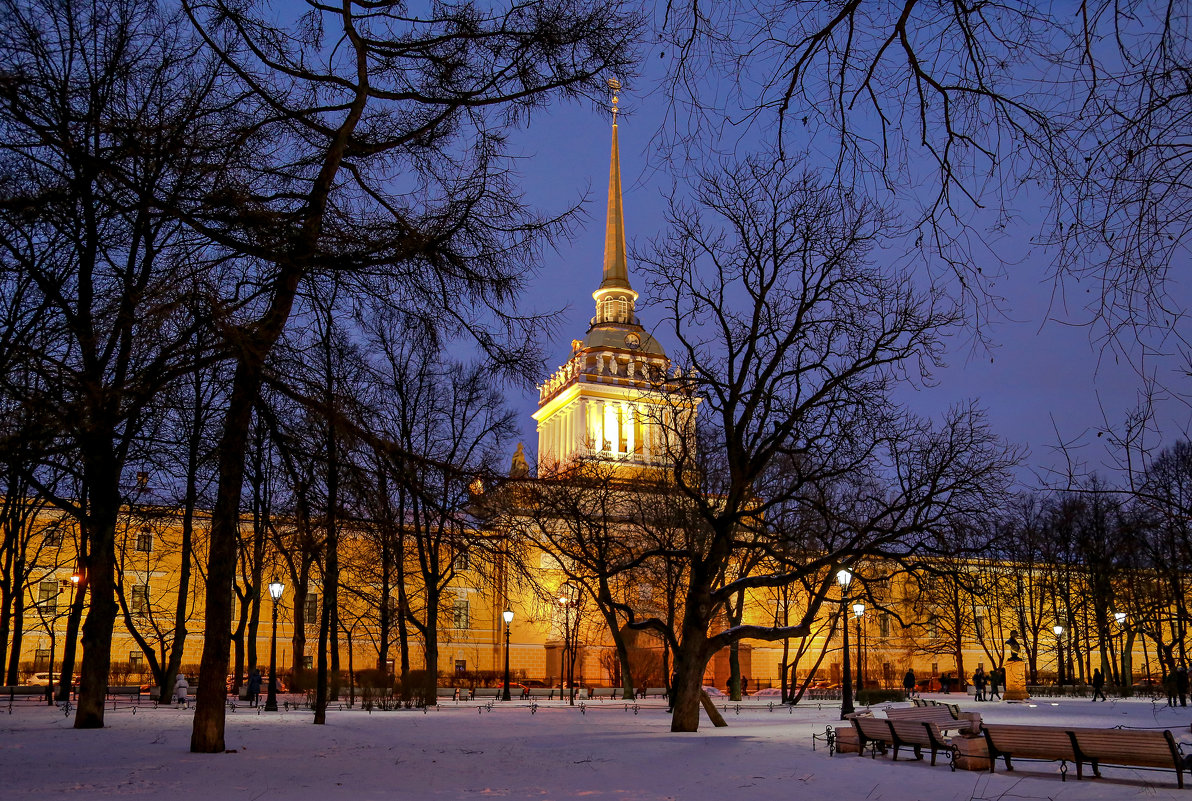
point(1181, 684)
point(181, 690)
point(908, 683)
point(1098, 685)
point(979, 684)
point(995, 682)
point(254, 687)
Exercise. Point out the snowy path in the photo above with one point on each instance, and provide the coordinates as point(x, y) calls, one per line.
point(507, 753)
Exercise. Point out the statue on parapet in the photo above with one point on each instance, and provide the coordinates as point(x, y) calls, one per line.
point(519, 467)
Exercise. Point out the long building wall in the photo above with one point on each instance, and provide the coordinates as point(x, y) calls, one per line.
point(471, 634)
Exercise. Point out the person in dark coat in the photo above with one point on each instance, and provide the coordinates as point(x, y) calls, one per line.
point(995, 683)
point(254, 687)
point(1181, 684)
point(908, 683)
point(979, 684)
point(1098, 685)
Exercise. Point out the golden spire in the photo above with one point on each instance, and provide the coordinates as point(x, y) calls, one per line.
point(616, 269)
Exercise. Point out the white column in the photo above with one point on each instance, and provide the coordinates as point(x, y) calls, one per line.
point(572, 427)
point(627, 417)
point(566, 429)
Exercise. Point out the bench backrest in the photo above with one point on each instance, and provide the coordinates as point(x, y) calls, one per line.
point(24, 689)
point(939, 715)
point(873, 728)
point(1031, 742)
point(445, 692)
point(919, 732)
point(1150, 748)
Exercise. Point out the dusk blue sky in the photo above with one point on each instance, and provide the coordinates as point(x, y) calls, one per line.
point(1047, 377)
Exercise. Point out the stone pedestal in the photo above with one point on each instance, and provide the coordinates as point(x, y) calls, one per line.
point(972, 753)
point(846, 739)
point(1015, 681)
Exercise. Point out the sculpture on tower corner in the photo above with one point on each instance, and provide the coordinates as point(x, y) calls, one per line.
point(519, 467)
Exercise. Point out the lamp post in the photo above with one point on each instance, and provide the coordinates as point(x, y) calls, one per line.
point(843, 578)
point(858, 610)
point(1123, 679)
point(65, 680)
point(276, 588)
point(508, 616)
point(1059, 654)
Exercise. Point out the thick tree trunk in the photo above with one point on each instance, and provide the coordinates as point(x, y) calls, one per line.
point(688, 686)
point(431, 637)
point(12, 675)
point(101, 616)
point(207, 734)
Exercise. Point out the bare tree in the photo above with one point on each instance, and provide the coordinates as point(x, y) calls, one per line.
point(102, 107)
point(792, 341)
point(390, 172)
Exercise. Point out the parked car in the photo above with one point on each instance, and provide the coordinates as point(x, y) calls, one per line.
point(39, 680)
point(1148, 683)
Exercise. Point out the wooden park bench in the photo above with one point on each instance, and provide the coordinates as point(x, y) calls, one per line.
point(1044, 743)
point(1135, 748)
point(941, 716)
point(130, 691)
point(873, 732)
point(23, 692)
point(918, 734)
point(446, 694)
point(541, 693)
point(953, 708)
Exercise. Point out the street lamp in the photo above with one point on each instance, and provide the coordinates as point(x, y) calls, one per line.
point(843, 577)
point(276, 588)
point(508, 615)
point(1059, 654)
point(65, 680)
point(858, 610)
point(1123, 679)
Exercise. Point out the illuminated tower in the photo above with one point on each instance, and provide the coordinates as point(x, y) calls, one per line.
point(605, 403)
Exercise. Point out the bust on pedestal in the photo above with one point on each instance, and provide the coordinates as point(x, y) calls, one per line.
point(1015, 673)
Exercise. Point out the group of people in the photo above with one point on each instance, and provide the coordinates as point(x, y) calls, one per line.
point(988, 686)
point(1176, 686)
point(181, 695)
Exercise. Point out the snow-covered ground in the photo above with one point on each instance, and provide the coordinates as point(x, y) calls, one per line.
point(558, 752)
